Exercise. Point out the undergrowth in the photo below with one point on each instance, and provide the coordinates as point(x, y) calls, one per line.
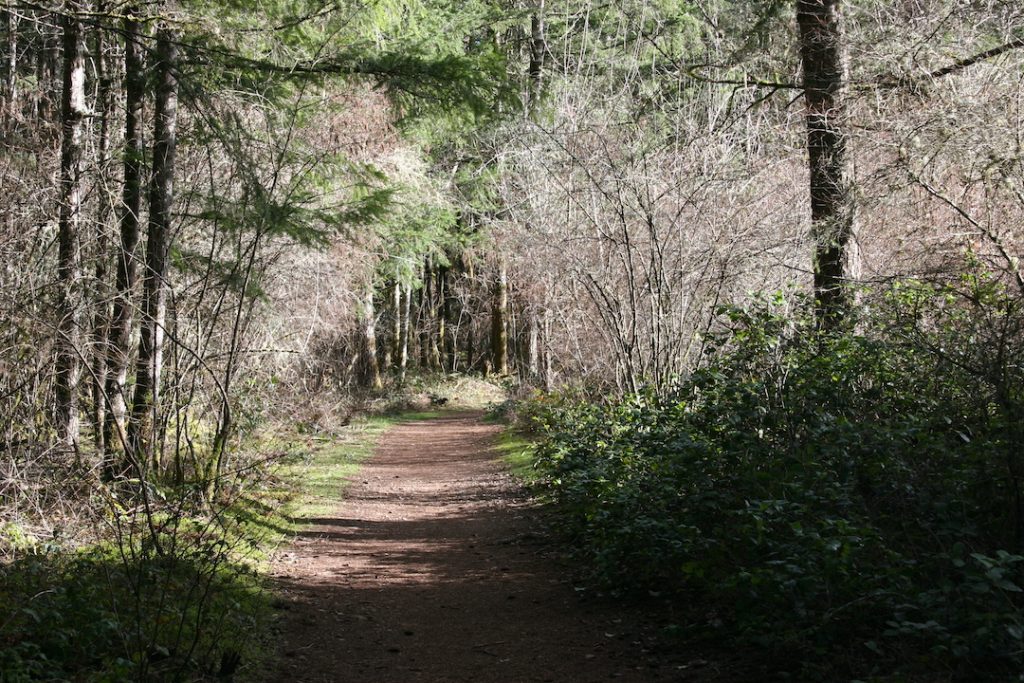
point(426, 391)
point(175, 590)
point(847, 504)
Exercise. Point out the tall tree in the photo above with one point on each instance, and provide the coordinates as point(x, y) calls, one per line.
point(538, 54)
point(448, 322)
point(832, 210)
point(404, 331)
point(120, 334)
point(12, 64)
point(370, 366)
point(436, 322)
point(499, 322)
point(101, 309)
point(532, 346)
point(69, 269)
point(146, 403)
point(394, 342)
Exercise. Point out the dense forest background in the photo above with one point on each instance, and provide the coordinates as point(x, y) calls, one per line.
point(749, 270)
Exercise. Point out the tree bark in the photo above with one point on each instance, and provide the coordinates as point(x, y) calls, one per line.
point(431, 327)
point(122, 318)
point(439, 306)
point(451, 348)
point(101, 299)
point(471, 326)
point(69, 266)
point(538, 53)
point(391, 340)
point(45, 74)
point(533, 346)
point(396, 322)
point(404, 328)
point(370, 367)
point(415, 323)
point(144, 426)
point(499, 323)
point(12, 66)
point(832, 212)
point(425, 318)
point(549, 375)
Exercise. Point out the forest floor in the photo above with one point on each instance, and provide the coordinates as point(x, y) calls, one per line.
point(435, 567)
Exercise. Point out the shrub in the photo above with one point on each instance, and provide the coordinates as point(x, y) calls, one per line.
point(850, 501)
point(130, 610)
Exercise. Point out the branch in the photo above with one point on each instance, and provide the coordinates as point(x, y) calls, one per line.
point(746, 82)
point(966, 62)
point(958, 65)
point(1012, 262)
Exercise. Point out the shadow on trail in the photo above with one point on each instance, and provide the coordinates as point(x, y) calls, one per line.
point(457, 549)
point(432, 570)
point(413, 601)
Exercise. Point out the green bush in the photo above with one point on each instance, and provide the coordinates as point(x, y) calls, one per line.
point(849, 501)
point(125, 612)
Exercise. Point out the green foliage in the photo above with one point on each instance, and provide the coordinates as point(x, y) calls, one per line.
point(179, 598)
point(425, 53)
point(127, 614)
point(848, 502)
point(418, 228)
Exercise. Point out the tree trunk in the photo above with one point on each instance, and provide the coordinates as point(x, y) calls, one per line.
point(440, 336)
point(413, 335)
point(145, 437)
point(388, 343)
point(538, 53)
point(549, 375)
point(404, 328)
point(451, 348)
point(832, 212)
point(370, 367)
point(119, 336)
point(431, 327)
point(471, 322)
point(425, 319)
point(69, 267)
point(396, 323)
point(12, 67)
point(532, 346)
point(101, 298)
point(45, 59)
point(499, 323)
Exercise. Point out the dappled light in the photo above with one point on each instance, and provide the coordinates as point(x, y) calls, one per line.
point(433, 569)
point(511, 340)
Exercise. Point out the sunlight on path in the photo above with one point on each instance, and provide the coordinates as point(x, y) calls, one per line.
point(431, 570)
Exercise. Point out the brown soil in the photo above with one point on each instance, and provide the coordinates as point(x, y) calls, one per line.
point(433, 569)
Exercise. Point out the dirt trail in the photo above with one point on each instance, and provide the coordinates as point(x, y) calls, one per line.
point(431, 570)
